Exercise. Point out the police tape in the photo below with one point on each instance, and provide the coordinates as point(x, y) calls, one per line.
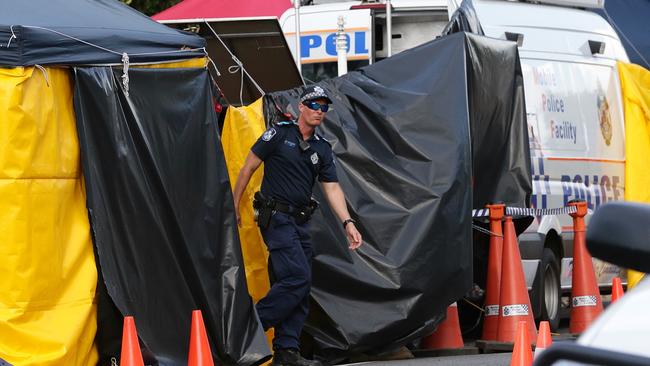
point(521, 211)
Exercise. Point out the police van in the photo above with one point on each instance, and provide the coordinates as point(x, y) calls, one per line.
point(573, 101)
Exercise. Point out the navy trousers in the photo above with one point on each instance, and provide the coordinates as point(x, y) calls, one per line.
point(286, 305)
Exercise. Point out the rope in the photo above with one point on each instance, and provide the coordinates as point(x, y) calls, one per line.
point(125, 73)
point(13, 35)
point(107, 49)
point(47, 79)
point(620, 31)
point(485, 231)
point(238, 65)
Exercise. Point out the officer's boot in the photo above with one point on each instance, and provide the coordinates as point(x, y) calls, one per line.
point(291, 357)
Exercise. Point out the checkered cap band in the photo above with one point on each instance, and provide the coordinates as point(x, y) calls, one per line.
point(314, 92)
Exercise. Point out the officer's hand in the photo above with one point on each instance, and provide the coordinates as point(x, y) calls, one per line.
point(354, 237)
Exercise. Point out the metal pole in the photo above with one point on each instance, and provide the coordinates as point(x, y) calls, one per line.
point(389, 28)
point(342, 47)
point(296, 6)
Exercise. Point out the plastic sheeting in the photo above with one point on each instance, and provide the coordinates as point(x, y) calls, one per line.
point(81, 32)
point(464, 19)
point(635, 83)
point(242, 127)
point(400, 129)
point(161, 210)
point(47, 267)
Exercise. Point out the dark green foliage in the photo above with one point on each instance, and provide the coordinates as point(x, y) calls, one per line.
point(150, 7)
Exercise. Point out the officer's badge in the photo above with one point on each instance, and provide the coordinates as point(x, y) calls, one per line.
point(314, 158)
point(268, 135)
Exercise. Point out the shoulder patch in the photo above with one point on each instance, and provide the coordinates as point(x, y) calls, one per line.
point(268, 135)
point(285, 123)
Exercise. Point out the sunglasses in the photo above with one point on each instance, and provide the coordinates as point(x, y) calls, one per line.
point(316, 106)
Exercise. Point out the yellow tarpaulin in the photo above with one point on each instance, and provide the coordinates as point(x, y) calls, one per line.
point(47, 267)
point(242, 127)
point(635, 83)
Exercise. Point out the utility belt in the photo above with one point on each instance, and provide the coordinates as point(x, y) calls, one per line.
point(264, 208)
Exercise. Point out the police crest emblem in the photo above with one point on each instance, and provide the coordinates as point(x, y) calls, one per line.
point(268, 135)
point(604, 119)
point(314, 158)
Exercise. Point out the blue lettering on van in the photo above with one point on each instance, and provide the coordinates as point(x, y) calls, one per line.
point(564, 130)
point(314, 41)
point(596, 190)
point(330, 44)
point(360, 43)
point(552, 103)
point(307, 43)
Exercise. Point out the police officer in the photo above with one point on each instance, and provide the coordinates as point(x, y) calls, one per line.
point(294, 156)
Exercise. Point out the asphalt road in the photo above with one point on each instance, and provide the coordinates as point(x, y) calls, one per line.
point(493, 359)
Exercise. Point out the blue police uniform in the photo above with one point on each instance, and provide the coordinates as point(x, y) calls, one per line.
point(289, 175)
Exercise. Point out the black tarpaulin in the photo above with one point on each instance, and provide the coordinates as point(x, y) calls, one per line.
point(161, 212)
point(404, 161)
point(405, 132)
point(82, 32)
point(464, 19)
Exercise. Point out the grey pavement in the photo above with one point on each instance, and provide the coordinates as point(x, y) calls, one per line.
point(496, 359)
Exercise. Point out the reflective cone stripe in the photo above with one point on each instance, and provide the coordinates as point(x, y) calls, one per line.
point(131, 354)
point(200, 353)
point(544, 339)
point(617, 289)
point(522, 355)
point(514, 300)
point(447, 335)
point(586, 303)
point(493, 283)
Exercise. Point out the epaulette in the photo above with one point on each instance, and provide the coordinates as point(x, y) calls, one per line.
point(286, 123)
point(319, 137)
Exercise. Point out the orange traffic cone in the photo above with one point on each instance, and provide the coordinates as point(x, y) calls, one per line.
point(522, 355)
point(200, 353)
point(617, 289)
point(131, 354)
point(493, 283)
point(544, 339)
point(586, 304)
point(447, 336)
point(514, 300)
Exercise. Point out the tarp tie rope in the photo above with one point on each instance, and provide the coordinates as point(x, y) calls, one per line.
point(13, 35)
point(238, 64)
point(125, 73)
point(235, 69)
point(485, 231)
point(522, 211)
point(107, 49)
point(620, 31)
point(214, 65)
point(47, 79)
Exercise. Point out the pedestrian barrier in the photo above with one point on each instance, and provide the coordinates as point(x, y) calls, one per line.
point(586, 303)
point(544, 339)
point(447, 335)
point(522, 354)
point(514, 300)
point(617, 289)
point(493, 283)
point(200, 353)
point(131, 354)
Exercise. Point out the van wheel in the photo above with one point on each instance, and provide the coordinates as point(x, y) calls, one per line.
point(551, 291)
